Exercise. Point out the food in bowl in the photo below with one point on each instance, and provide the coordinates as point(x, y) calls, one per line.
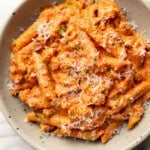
point(82, 69)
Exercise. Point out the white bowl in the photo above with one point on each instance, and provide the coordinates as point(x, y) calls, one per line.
point(13, 109)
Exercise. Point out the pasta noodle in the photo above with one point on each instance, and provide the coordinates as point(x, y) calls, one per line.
point(82, 69)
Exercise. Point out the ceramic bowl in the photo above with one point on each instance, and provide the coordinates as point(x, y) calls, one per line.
point(15, 111)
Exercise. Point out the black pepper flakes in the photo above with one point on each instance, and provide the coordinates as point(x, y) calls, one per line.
point(24, 109)
point(41, 137)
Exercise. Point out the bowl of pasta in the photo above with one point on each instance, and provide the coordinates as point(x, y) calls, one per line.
point(75, 74)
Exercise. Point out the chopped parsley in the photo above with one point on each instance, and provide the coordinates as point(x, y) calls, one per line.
point(37, 41)
point(24, 109)
point(117, 96)
point(62, 31)
point(86, 70)
point(41, 137)
point(72, 114)
point(77, 47)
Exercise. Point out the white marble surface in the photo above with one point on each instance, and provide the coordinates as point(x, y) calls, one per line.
point(9, 140)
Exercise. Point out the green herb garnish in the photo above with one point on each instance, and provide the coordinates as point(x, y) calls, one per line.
point(117, 96)
point(41, 137)
point(72, 114)
point(24, 109)
point(37, 41)
point(77, 47)
point(62, 31)
point(86, 70)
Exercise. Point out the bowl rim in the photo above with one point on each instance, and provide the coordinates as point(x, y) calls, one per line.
point(12, 123)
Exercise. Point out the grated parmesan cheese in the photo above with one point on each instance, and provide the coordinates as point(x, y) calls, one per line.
point(142, 52)
point(123, 54)
point(9, 84)
point(124, 10)
point(33, 74)
point(133, 24)
point(146, 105)
point(43, 31)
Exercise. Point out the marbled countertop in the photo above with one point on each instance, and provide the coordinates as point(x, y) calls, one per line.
point(9, 140)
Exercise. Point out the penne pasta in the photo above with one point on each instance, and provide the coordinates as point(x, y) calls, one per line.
point(82, 70)
point(24, 38)
point(43, 76)
point(108, 132)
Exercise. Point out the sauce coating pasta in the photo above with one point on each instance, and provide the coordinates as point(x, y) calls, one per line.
point(82, 69)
